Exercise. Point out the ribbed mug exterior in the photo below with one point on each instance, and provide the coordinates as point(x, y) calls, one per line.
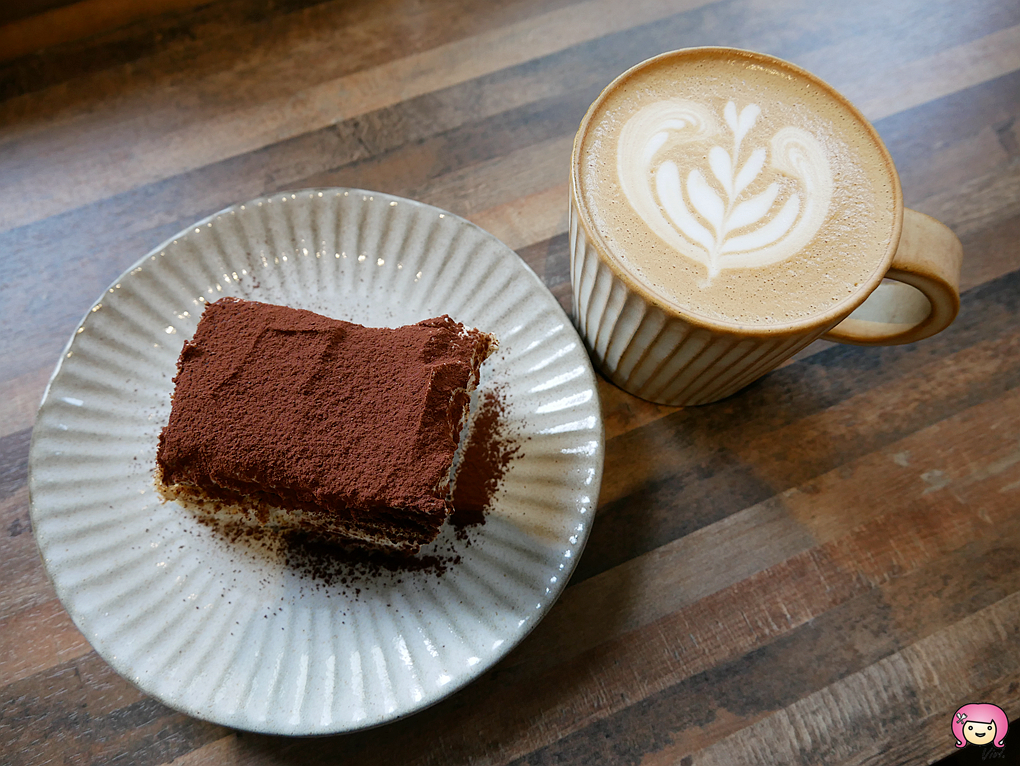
point(657, 352)
point(652, 352)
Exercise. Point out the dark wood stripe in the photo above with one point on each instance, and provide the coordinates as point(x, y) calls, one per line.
point(550, 259)
point(205, 37)
point(20, 9)
point(14, 462)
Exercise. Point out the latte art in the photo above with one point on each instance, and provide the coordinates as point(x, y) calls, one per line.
point(755, 204)
point(734, 189)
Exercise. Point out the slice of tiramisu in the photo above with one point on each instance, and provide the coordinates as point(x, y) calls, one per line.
point(287, 418)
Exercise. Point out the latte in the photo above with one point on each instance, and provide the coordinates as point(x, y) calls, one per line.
point(736, 189)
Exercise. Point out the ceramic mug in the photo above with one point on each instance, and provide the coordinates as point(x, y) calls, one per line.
point(727, 208)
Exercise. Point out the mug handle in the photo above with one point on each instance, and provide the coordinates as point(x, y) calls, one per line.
point(920, 295)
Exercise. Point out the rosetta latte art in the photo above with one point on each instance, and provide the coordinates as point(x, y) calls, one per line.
point(752, 206)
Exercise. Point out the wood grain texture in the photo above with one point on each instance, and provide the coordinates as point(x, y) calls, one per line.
point(52, 22)
point(818, 570)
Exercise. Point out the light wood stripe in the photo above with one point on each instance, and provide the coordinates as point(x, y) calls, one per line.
point(529, 219)
point(37, 638)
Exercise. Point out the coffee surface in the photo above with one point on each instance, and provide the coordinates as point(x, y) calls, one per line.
point(739, 192)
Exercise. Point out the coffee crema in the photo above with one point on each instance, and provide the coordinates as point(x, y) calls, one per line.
point(738, 192)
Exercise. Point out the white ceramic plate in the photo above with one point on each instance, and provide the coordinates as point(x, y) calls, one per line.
point(234, 634)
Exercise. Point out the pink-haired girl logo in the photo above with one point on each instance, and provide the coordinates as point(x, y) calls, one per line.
point(980, 723)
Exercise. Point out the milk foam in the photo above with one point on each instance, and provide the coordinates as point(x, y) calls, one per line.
point(736, 192)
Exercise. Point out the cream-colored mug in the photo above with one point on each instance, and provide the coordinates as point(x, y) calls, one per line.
point(728, 208)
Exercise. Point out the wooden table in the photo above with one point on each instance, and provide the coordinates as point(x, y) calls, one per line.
point(821, 569)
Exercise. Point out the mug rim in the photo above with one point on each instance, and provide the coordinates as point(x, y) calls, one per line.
point(820, 322)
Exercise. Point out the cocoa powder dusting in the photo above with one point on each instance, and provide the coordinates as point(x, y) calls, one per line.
point(487, 454)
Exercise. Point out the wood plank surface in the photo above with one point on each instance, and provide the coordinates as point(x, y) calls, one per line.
point(818, 570)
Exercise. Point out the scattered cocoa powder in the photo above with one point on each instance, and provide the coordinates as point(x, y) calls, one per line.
point(484, 461)
point(323, 565)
